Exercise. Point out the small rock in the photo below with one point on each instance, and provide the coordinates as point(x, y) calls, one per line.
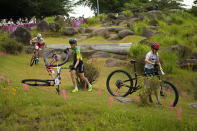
point(124, 100)
point(193, 105)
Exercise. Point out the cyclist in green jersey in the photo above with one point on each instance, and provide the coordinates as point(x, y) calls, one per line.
point(77, 66)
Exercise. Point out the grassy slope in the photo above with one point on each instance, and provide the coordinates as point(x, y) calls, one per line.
point(92, 40)
point(42, 109)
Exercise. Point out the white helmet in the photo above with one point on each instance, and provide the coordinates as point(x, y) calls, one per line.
point(39, 35)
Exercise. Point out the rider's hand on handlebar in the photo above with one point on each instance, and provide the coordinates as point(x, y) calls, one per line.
point(66, 50)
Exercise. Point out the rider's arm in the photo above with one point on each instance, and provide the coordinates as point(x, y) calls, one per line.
point(76, 64)
point(149, 62)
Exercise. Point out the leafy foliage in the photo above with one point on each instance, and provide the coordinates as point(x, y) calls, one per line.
point(91, 72)
point(29, 8)
point(11, 46)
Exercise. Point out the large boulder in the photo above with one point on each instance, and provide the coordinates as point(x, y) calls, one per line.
point(70, 31)
point(121, 17)
point(181, 50)
point(147, 33)
point(113, 63)
point(125, 33)
point(132, 20)
point(88, 53)
point(193, 55)
point(154, 13)
point(100, 54)
point(115, 29)
point(153, 22)
point(189, 63)
point(113, 37)
point(22, 35)
point(81, 30)
point(59, 18)
point(144, 41)
point(43, 26)
point(54, 27)
point(111, 16)
point(140, 16)
point(116, 21)
point(102, 32)
point(121, 57)
point(89, 30)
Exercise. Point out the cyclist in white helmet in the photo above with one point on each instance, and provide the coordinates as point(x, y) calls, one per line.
point(39, 44)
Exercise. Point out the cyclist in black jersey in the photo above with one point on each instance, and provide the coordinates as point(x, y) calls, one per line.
point(77, 65)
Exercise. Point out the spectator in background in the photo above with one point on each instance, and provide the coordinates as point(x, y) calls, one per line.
point(95, 11)
point(26, 20)
point(157, 7)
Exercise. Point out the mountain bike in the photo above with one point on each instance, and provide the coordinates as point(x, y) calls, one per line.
point(48, 82)
point(56, 80)
point(120, 83)
point(35, 55)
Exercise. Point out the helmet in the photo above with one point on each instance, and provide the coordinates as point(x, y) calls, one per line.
point(73, 41)
point(155, 46)
point(39, 35)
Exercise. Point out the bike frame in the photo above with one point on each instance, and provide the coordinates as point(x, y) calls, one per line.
point(135, 87)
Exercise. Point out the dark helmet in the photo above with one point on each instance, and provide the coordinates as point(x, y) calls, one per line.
point(155, 46)
point(73, 41)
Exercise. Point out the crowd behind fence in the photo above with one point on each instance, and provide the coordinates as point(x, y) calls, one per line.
point(11, 25)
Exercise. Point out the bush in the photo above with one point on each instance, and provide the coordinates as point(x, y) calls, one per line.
point(84, 25)
point(138, 27)
point(90, 72)
point(194, 10)
point(102, 17)
point(148, 87)
point(169, 62)
point(11, 46)
point(50, 19)
point(92, 21)
point(137, 50)
point(127, 13)
point(176, 19)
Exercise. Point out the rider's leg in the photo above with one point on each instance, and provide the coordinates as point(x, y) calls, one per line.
point(157, 97)
point(73, 77)
point(81, 75)
point(38, 53)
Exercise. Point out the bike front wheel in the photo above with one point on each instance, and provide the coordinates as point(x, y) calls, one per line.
point(36, 82)
point(119, 83)
point(167, 94)
point(33, 59)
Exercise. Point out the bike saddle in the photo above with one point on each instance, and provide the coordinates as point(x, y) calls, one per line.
point(132, 61)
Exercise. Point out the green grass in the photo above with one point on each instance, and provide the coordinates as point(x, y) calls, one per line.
point(42, 109)
point(92, 40)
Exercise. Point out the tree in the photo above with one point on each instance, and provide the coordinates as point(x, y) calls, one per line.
point(194, 8)
point(106, 6)
point(29, 8)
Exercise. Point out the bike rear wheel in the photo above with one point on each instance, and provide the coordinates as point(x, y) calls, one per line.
point(37, 82)
point(119, 83)
point(168, 94)
point(64, 56)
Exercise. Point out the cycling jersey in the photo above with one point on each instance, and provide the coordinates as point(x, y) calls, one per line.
point(77, 56)
point(39, 42)
point(153, 58)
